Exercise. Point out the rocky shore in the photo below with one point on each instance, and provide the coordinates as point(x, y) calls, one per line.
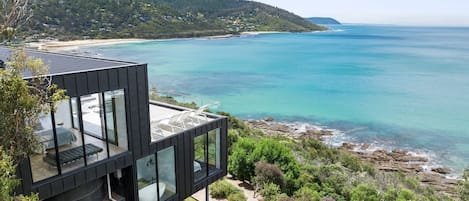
point(386, 161)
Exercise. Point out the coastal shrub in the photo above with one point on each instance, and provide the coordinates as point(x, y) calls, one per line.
point(270, 191)
point(222, 189)
point(333, 176)
point(364, 192)
point(406, 195)
point(307, 194)
point(239, 196)
point(240, 164)
point(319, 150)
point(233, 136)
point(351, 162)
point(284, 197)
point(464, 186)
point(268, 173)
point(246, 152)
point(391, 194)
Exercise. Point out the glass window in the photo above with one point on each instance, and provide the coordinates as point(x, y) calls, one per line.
point(41, 169)
point(200, 157)
point(92, 114)
point(206, 154)
point(116, 124)
point(98, 120)
point(68, 138)
point(166, 173)
point(146, 178)
point(214, 149)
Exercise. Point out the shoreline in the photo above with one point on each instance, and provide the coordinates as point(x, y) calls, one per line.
point(407, 161)
point(73, 45)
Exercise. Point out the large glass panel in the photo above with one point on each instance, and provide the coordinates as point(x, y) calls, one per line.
point(200, 157)
point(146, 178)
point(94, 127)
point(68, 138)
point(74, 105)
point(166, 173)
point(214, 150)
point(40, 169)
point(92, 113)
point(114, 104)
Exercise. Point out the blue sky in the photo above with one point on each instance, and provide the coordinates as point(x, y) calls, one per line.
point(400, 12)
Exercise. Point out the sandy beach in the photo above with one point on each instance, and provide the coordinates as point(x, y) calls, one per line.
point(69, 45)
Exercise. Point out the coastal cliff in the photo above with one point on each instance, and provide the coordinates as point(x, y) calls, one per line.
point(323, 20)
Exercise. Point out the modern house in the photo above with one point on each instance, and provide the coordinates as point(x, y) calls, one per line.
point(108, 141)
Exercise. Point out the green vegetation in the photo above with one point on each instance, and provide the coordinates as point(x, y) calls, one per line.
point(78, 19)
point(314, 171)
point(464, 186)
point(284, 169)
point(224, 190)
point(21, 103)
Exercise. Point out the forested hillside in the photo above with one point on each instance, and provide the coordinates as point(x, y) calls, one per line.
point(78, 19)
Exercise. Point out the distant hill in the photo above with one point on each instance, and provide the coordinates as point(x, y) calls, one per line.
point(323, 20)
point(78, 19)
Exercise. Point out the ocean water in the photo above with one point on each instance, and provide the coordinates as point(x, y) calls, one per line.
point(395, 87)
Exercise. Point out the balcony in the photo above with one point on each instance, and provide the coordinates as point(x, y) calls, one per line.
point(167, 120)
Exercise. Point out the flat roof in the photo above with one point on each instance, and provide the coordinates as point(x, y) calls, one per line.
point(60, 64)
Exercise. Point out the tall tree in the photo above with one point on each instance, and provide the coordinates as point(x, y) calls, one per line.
point(13, 14)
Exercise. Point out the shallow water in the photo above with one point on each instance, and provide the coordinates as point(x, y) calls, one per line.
point(404, 87)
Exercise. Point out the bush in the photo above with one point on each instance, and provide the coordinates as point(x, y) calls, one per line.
point(364, 192)
point(391, 194)
point(240, 165)
point(307, 194)
point(246, 152)
point(222, 189)
point(406, 195)
point(268, 173)
point(270, 191)
point(239, 196)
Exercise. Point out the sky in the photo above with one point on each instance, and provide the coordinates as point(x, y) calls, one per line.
point(397, 12)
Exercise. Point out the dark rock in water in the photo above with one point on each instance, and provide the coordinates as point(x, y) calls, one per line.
point(348, 146)
point(441, 170)
point(268, 119)
point(365, 146)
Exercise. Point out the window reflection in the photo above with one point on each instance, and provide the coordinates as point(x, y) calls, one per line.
point(43, 131)
point(200, 157)
point(166, 173)
point(206, 154)
point(146, 178)
point(68, 139)
point(152, 187)
point(88, 129)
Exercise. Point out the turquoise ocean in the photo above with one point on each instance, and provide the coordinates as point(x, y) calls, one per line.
point(391, 86)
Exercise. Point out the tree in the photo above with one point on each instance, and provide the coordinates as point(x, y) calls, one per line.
point(21, 103)
point(14, 13)
point(8, 180)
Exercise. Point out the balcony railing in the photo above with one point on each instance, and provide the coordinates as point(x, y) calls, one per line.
point(167, 120)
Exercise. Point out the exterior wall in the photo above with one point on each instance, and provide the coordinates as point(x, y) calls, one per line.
point(133, 79)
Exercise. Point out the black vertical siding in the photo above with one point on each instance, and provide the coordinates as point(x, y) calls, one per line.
point(78, 84)
point(133, 79)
